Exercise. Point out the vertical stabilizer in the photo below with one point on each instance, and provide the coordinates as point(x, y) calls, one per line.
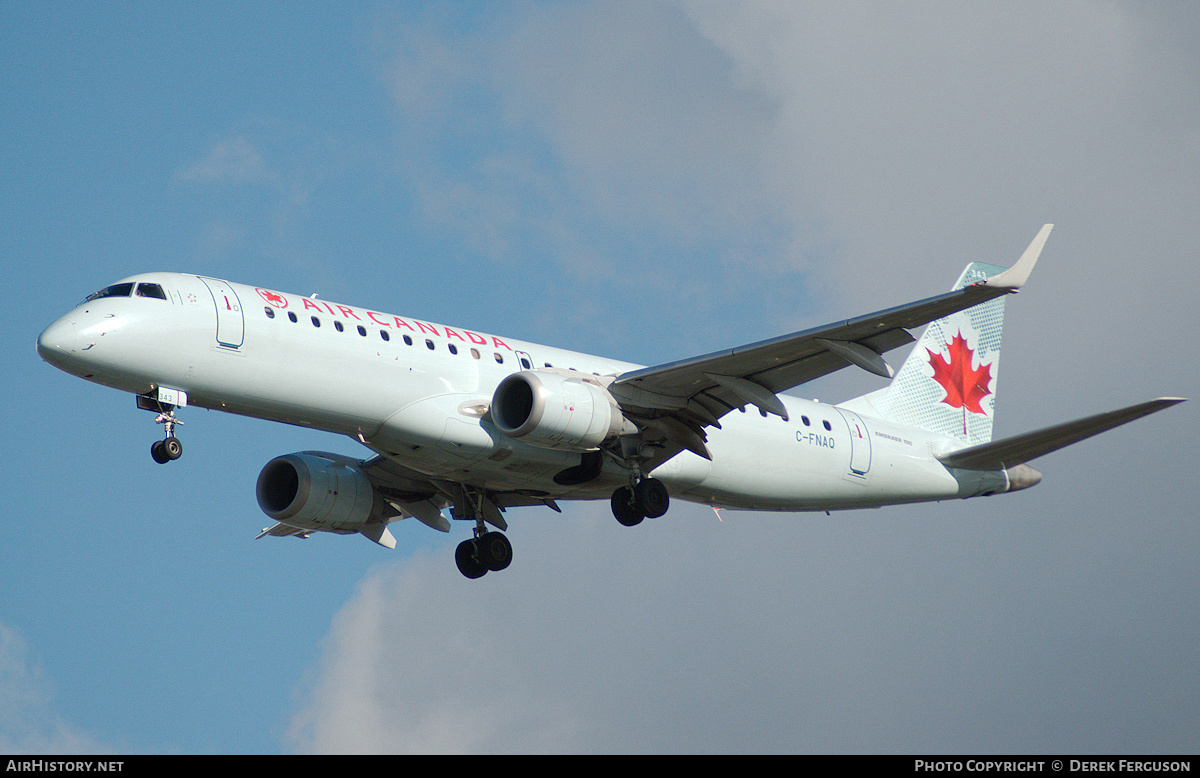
point(948, 383)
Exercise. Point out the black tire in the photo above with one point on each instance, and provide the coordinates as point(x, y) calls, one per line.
point(495, 552)
point(159, 453)
point(172, 448)
point(625, 507)
point(652, 497)
point(465, 558)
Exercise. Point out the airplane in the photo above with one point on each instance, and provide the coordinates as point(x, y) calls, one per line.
point(472, 424)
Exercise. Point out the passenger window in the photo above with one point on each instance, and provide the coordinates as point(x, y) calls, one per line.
point(499, 358)
point(151, 290)
point(807, 423)
point(316, 322)
point(269, 311)
point(429, 344)
point(453, 348)
point(407, 340)
point(292, 316)
point(475, 353)
point(384, 334)
point(337, 325)
point(362, 330)
point(827, 427)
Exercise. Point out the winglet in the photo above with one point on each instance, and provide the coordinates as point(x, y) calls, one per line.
point(1016, 276)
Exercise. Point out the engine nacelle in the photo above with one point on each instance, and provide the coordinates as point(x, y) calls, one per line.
point(556, 411)
point(317, 491)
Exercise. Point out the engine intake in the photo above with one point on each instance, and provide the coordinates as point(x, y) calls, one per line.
point(317, 491)
point(555, 411)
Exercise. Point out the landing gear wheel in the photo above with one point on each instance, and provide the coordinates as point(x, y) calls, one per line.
point(172, 448)
point(652, 497)
point(626, 508)
point(495, 552)
point(163, 451)
point(467, 559)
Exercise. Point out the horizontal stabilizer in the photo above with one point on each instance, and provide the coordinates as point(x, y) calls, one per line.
point(1016, 450)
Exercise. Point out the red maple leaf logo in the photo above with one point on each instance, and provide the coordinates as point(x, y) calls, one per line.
point(965, 386)
point(278, 300)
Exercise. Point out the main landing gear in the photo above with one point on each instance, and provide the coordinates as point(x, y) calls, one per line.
point(487, 550)
point(646, 498)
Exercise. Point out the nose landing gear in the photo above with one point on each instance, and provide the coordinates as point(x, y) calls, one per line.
point(169, 448)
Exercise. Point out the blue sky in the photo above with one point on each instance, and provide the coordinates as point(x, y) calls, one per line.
point(643, 180)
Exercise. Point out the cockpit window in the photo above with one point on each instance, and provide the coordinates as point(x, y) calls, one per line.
point(116, 290)
point(151, 290)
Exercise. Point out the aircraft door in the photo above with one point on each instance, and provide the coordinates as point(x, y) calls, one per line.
point(524, 360)
point(231, 327)
point(860, 443)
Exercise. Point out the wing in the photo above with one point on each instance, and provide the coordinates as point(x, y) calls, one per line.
point(680, 399)
point(413, 494)
point(408, 493)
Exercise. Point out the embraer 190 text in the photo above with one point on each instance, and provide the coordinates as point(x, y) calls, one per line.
point(473, 424)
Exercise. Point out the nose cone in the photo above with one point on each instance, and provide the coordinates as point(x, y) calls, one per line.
point(57, 344)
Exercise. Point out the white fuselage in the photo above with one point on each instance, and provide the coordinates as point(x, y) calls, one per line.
point(419, 392)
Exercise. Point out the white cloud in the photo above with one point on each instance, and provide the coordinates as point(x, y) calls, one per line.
point(233, 160)
point(600, 150)
point(645, 120)
point(908, 126)
point(413, 666)
point(28, 721)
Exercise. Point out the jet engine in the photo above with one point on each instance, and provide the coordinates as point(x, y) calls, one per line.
point(317, 491)
point(556, 411)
